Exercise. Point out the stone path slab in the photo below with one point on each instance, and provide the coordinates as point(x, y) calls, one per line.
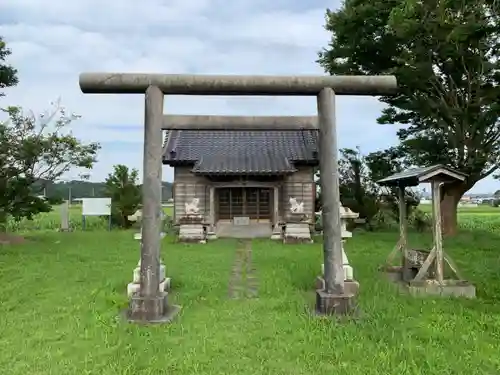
point(243, 282)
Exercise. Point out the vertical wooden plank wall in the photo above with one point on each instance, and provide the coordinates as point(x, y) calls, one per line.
point(188, 186)
point(299, 185)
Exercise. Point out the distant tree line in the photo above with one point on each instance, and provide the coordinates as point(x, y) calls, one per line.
point(83, 189)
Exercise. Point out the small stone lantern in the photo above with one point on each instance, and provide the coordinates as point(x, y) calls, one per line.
point(134, 286)
point(345, 214)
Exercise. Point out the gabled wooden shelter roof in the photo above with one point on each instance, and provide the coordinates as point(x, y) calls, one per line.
point(415, 176)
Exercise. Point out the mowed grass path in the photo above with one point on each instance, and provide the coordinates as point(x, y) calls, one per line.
point(61, 295)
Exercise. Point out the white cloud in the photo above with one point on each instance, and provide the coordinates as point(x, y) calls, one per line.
point(52, 42)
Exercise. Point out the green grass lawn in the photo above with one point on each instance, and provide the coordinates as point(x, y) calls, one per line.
point(62, 293)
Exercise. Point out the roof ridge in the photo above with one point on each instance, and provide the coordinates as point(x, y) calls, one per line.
point(191, 145)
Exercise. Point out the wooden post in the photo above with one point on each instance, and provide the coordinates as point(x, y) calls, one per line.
point(150, 303)
point(403, 221)
point(65, 217)
point(438, 234)
point(276, 206)
point(212, 207)
point(332, 231)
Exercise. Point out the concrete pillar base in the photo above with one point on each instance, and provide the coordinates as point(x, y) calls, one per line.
point(335, 304)
point(151, 309)
point(350, 286)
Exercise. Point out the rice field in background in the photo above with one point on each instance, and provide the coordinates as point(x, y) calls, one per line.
point(482, 217)
point(52, 220)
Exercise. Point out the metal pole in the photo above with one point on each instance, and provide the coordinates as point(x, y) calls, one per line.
point(149, 305)
point(332, 231)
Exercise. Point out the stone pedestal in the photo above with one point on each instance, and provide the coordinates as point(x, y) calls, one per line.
point(297, 233)
point(134, 287)
point(191, 233)
point(350, 284)
point(350, 287)
point(297, 229)
point(151, 310)
point(191, 229)
point(335, 304)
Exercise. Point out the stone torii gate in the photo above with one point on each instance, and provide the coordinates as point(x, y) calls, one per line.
point(149, 305)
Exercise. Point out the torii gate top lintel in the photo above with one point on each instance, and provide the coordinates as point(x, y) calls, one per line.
point(244, 85)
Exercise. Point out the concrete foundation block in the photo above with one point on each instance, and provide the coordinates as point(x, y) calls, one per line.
point(151, 310)
point(350, 287)
point(297, 233)
point(133, 288)
point(191, 233)
point(450, 288)
point(335, 304)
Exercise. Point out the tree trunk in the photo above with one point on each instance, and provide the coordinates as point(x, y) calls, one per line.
point(3, 221)
point(450, 196)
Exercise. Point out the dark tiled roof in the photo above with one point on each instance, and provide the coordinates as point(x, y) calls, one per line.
point(247, 164)
point(241, 152)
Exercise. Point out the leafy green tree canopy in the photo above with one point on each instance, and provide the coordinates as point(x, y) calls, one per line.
point(35, 149)
point(8, 75)
point(125, 193)
point(445, 55)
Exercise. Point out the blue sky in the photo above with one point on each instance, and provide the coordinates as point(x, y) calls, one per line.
point(52, 42)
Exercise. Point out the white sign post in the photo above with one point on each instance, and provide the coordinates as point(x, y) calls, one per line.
point(96, 207)
point(65, 217)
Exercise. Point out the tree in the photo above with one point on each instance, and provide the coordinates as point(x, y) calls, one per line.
point(35, 149)
point(358, 176)
point(8, 75)
point(445, 55)
point(357, 191)
point(382, 164)
point(125, 193)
